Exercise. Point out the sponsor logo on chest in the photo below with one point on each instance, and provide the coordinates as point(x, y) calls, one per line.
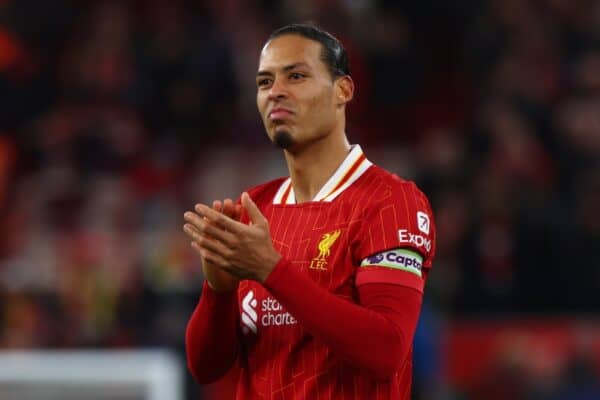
point(271, 313)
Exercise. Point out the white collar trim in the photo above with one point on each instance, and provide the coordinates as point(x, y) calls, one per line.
point(354, 165)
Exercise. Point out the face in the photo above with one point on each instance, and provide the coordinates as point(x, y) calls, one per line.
point(298, 100)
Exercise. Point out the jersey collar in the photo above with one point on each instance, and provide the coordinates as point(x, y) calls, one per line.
point(354, 165)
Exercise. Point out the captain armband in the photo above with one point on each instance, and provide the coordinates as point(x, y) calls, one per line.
point(402, 259)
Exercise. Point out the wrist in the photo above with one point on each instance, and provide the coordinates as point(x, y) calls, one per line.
point(271, 264)
point(219, 289)
point(280, 272)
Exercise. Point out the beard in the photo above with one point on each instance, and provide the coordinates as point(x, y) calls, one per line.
point(283, 140)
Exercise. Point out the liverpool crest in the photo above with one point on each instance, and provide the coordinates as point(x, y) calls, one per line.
point(324, 246)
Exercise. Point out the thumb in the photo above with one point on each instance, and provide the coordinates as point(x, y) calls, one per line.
point(251, 208)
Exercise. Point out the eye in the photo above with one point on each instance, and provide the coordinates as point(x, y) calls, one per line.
point(263, 82)
point(297, 76)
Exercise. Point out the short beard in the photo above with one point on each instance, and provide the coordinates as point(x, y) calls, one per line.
point(283, 140)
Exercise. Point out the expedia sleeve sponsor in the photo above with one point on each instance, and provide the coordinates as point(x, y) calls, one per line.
point(402, 259)
point(400, 220)
point(420, 239)
point(421, 242)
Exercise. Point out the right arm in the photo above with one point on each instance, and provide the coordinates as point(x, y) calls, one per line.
point(211, 334)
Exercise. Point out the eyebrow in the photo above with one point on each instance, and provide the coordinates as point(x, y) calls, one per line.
point(284, 69)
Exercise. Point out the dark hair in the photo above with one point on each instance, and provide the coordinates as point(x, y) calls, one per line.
point(333, 54)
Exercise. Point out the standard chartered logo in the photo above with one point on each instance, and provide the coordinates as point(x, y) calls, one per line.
point(272, 311)
point(274, 314)
point(249, 316)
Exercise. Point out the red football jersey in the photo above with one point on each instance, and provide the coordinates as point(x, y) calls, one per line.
point(357, 230)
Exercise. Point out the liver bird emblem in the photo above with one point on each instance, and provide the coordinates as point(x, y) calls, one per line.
point(327, 240)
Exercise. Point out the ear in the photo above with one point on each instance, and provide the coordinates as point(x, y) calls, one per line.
point(344, 90)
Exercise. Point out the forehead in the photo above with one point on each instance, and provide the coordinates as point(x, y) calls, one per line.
point(290, 49)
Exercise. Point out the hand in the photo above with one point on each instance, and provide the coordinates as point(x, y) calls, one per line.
point(245, 251)
point(218, 279)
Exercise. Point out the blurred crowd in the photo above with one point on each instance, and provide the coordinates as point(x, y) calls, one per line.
point(117, 116)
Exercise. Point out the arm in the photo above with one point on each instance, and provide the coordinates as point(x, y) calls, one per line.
point(211, 335)
point(218, 279)
point(375, 335)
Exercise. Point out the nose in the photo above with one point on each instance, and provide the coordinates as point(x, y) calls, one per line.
point(278, 90)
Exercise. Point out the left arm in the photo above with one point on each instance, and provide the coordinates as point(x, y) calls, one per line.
point(375, 335)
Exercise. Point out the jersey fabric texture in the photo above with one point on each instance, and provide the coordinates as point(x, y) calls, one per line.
point(366, 233)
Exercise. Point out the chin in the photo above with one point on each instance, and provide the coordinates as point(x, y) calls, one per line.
point(283, 139)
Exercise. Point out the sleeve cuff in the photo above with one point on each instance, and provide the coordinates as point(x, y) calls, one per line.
point(213, 296)
point(277, 274)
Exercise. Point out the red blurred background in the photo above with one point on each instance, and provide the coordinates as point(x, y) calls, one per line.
point(116, 116)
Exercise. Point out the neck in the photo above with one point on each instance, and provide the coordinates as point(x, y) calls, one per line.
point(311, 167)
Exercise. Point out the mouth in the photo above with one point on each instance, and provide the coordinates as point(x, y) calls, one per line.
point(280, 113)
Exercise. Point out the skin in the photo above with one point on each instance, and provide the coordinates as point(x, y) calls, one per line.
point(218, 279)
point(296, 97)
point(292, 76)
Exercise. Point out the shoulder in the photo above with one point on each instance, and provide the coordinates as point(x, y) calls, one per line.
point(389, 188)
point(265, 192)
point(397, 215)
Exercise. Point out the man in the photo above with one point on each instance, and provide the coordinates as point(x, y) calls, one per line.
point(314, 282)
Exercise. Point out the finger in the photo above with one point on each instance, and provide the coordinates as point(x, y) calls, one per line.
point(217, 206)
point(210, 256)
point(228, 208)
point(192, 232)
point(233, 271)
point(201, 238)
point(237, 214)
point(206, 227)
point(235, 211)
point(220, 220)
point(198, 249)
point(215, 246)
point(253, 212)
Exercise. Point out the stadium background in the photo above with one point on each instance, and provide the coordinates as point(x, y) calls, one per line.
point(116, 116)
